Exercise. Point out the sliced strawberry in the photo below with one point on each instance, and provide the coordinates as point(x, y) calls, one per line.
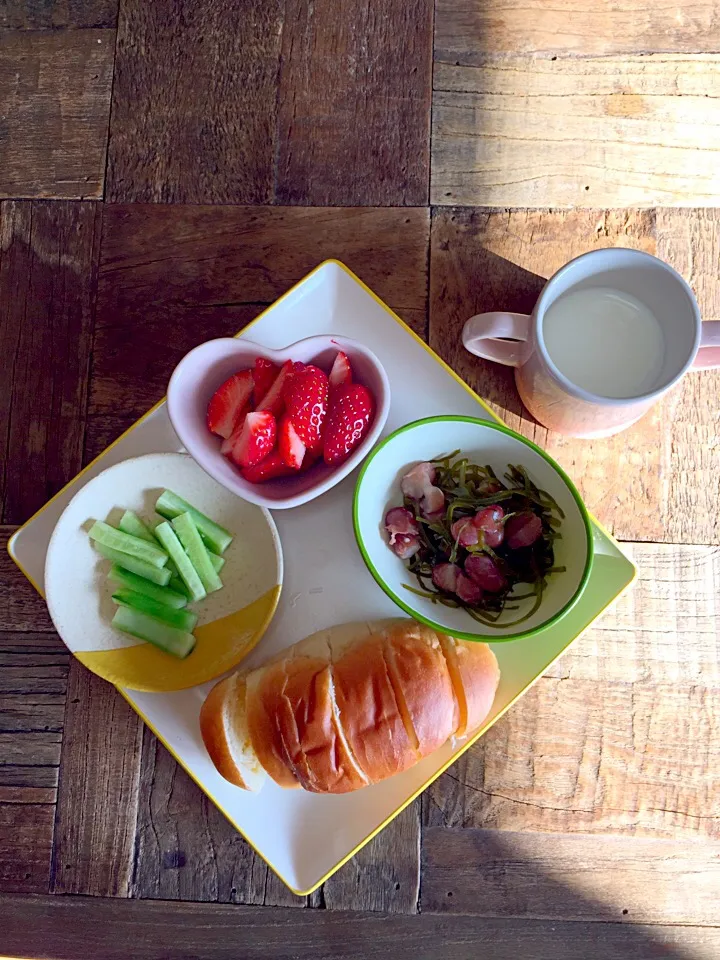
point(291, 447)
point(306, 402)
point(256, 440)
point(227, 403)
point(341, 372)
point(310, 459)
point(272, 467)
point(227, 444)
point(274, 400)
point(348, 420)
point(265, 372)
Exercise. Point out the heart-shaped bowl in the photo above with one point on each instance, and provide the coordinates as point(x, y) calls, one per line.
point(204, 369)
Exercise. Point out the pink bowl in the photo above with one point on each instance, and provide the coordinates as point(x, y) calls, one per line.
point(200, 373)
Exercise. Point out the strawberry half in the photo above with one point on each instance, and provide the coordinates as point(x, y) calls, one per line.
point(228, 403)
point(341, 372)
point(290, 446)
point(274, 400)
point(264, 372)
point(306, 401)
point(256, 440)
point(351, 411)
point(272, 467)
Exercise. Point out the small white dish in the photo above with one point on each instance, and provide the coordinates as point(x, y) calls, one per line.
point(231, 621)
point(204, 369)
point(483, 442)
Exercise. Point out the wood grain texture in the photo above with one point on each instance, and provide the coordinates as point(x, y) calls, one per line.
point(97, 800)
point(655, 481)
point(559, 877)
point(22, 609)
point(614, 131)
point(187, 850)
point(26, 832)
point(469, 30)
point(48, 255)
point(56, 14)
point(67, 928)
point(194, 102)
point(172, 277)
point(354, 103)
point(665, 629)
point(54, 110)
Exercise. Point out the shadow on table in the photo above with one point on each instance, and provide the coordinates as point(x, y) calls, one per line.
point(520, 911)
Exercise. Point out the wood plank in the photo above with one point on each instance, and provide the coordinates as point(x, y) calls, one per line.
point(578, 756)
point(665, 629)
point(470, 30)
point(56, 14)
point(187, 850)
point(558, 877)
point(690, 241)
point(48, 257)
point(385, 875)
point(25, 845)
point(354, 103)
point(194, 102)
point(97, 800)
point(204, 272)
point(639, 131)
point(483, 260)
point(55, 105)
point(54, 927)
point(13, 642)
point(101, 431)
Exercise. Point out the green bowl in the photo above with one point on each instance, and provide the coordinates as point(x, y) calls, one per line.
point(483, 442)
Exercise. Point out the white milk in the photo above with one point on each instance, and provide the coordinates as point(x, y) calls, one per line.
point(604, 341)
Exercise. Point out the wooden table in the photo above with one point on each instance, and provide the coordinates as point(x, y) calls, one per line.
point(169, 170)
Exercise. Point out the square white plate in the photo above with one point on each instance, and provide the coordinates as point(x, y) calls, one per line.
point(304, 837)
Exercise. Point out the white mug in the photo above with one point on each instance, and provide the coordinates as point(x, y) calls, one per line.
point(552, 396)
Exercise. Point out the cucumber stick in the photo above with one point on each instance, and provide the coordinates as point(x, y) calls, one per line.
point(182, 619)
point(170, 505)
point(158, 575)
point(117, 540)
point(178, 586)
point(190, 538)
point(166, 535)
point(131, 523)
point(140, 625)
point(165, 595)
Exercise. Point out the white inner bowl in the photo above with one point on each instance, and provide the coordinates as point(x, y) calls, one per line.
point(204, 369)
point(378, 489)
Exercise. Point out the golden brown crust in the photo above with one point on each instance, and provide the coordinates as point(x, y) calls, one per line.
point(262, 696)
point(480, 674)
point(213, 731)
point(369, 711)
point(416, 658)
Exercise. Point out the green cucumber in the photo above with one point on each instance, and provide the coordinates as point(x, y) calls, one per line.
point(177, 585)
point(182, 619)
point(140, 625)
point(170, 597)
point(159, 575)
point(170, 505)
point(166, 535)
point(217, 562)
point(190, 538)
point(117, 540)
point(132, 524)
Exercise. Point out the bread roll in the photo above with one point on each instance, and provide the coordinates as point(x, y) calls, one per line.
point(348, 706)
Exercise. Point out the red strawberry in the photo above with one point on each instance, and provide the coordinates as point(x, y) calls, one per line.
point(341, 372)
point(256, 440)
point(272, 467)
point(227, 445)
point(306, 401)
point(310, 459)
point(265, 373)
point(274, 399)
point(228, 403)
point(348, 420)
point(291, 447)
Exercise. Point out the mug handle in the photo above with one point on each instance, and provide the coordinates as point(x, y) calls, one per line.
point(501, 337)
point(708, 355)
